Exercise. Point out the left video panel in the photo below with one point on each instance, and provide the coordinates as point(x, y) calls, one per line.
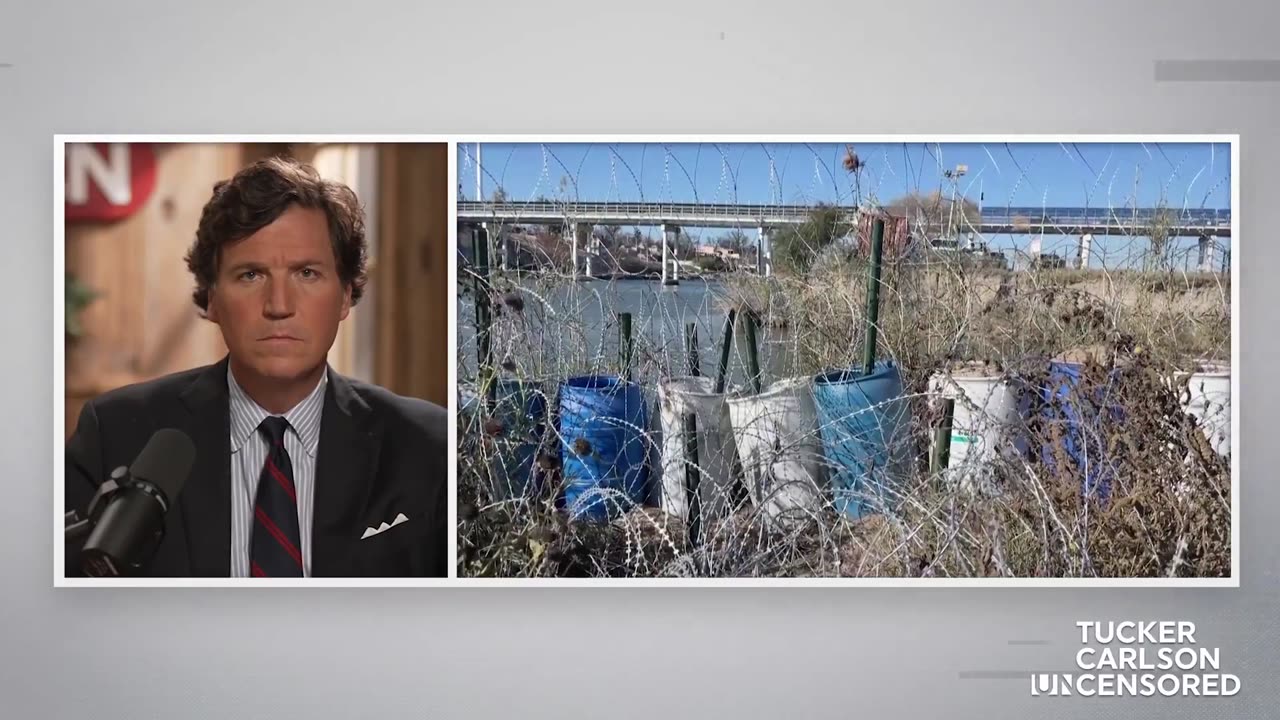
point(251, 383)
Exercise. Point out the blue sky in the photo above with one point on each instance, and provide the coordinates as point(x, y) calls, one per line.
point(1098, 175)
point(1053, 174)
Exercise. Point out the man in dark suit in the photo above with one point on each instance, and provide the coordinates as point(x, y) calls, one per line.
point(299, 471)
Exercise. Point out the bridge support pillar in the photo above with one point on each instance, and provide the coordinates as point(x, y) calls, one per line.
point(1082, 252)
point(670, 271)
point(478, 229)
point(663, 229)
point(764, 253)
point(1206, 249)
point(504, 248)
point(596, 245)
point(572, 229)
point(675, 257)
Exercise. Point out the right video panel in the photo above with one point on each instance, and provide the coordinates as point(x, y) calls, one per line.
point(845, 359)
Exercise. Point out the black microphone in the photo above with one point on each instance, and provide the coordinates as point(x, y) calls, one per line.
point(128, 512)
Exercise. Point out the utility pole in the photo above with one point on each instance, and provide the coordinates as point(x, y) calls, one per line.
point(954, 176)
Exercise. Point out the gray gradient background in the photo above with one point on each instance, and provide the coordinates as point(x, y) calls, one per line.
point(787, 67)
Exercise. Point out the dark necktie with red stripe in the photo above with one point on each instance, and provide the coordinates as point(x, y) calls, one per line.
point(276, 547)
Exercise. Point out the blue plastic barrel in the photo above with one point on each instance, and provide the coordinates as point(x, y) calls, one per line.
point(602, 422)
point(521, 407)
point(1083, 421)
point(864, 423)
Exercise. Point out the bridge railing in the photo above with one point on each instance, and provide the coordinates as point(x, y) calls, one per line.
point(724, 210)
point(1106, 219)
point(1113, 217)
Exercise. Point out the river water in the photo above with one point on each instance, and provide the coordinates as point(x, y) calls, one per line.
point(568, 327)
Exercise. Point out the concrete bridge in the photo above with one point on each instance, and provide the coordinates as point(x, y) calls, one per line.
point(1080, 222)
point(994, 221)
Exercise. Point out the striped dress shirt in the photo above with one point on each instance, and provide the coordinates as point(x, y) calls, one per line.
point(249, 455)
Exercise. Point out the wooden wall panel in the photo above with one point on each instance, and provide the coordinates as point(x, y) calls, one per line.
point(143, 324)
point(176, 337)
point(413, 271)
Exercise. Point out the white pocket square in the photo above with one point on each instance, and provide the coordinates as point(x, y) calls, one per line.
point(370, 532)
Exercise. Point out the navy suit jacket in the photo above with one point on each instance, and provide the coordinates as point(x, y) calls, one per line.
point(379, 455)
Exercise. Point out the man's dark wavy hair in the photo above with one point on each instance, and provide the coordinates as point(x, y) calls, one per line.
point(255, 197)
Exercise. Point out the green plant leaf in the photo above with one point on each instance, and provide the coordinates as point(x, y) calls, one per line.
point(78, 297)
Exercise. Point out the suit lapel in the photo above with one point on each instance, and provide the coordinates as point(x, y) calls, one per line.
point(346, 461)
point(206, 499)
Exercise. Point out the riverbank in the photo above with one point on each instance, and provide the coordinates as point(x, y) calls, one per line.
point(1146, 330)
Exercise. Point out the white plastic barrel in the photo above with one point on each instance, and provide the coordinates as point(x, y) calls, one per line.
point(716, 451)
point(987, 423)
point(776, 433)
point(1209, 400)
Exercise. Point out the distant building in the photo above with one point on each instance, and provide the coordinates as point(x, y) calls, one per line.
point(716, 251)
point(1048, 262)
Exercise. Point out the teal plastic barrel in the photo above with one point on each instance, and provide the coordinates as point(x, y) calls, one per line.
point(520, 407)
point(864, 423)
point(603, 423)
